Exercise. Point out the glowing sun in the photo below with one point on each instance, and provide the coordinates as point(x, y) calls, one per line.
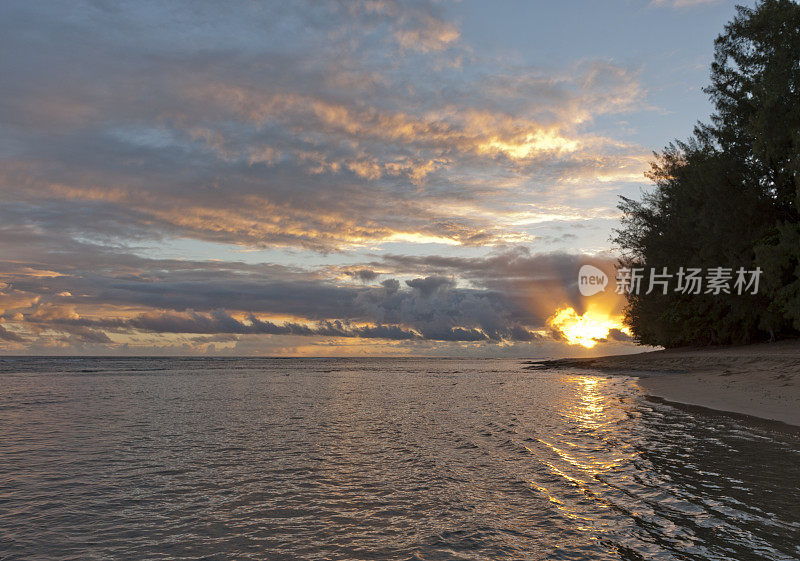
point(586, 329)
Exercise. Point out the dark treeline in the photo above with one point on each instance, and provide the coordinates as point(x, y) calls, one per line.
point(728, 196)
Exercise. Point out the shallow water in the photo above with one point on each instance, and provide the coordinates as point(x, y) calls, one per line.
point(378, 459)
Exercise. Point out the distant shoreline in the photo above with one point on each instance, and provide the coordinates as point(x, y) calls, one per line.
point(761, 380)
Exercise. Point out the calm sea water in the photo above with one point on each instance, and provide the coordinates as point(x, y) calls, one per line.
point(378, 459)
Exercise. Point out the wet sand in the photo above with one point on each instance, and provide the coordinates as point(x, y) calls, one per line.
point(760, 380)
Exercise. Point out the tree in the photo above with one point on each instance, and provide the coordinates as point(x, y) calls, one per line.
point(730, 195)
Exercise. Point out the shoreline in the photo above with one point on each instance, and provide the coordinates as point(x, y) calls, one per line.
point(761, 380)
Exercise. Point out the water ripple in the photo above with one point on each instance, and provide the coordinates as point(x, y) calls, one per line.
point(378, 459)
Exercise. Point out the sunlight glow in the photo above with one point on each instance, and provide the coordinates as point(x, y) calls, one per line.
point(587, 329)
point(530, 145)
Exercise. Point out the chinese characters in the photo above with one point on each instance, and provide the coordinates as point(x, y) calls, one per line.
point(688, 280)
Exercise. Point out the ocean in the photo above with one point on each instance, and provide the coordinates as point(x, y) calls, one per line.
point(328, 459)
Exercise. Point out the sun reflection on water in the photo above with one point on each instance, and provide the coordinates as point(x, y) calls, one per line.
point(589, 411)
point(584, 455)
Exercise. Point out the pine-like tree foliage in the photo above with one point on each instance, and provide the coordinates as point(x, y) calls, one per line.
point(730, 195)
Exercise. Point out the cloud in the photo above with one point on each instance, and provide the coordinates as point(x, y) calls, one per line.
point(683, 3)
point(363, 274)
point(283, 125)
point(89, 293)
point(328, 129)
point(429, 285)
point(618, 335)
point(220, 322)
point(6, 335)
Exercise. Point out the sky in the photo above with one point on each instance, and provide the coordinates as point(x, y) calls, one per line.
point(330, 178)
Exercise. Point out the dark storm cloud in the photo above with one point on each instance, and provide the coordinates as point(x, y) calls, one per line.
point(514, 263)
point(618, 335)
point(183, 296)
point(429, 285)
point(220, 322)
point(519, 274)
point(363, 274)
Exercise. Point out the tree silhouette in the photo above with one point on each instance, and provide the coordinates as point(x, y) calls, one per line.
point(729, 195)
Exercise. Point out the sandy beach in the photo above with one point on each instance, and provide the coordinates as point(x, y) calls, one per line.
point(760, 380)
